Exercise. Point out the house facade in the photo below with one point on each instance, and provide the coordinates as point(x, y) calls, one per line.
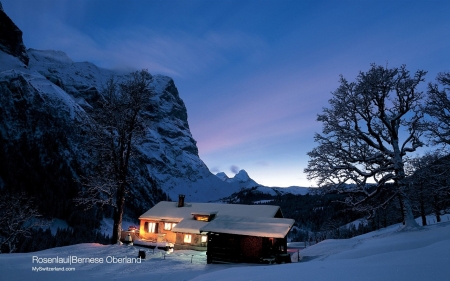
point(228, 232)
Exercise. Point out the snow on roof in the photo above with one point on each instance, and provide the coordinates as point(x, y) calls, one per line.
point(252, 226)
point(204, 213)
point(169, 211)
point(189, 226)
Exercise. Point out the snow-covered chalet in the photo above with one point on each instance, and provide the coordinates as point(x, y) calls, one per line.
point(228, 232)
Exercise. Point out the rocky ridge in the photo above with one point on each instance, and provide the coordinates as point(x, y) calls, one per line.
point(11, 37)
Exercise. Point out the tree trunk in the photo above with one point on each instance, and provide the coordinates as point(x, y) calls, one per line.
point(11, 247)
point(117, 228)
point(408, 217)
point(118, 213)
point(422, 212)
point(422, 207)
point(400, 199)
point(437, 211)
point(409, 221)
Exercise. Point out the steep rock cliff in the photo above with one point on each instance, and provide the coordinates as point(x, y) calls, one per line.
point(11, 37)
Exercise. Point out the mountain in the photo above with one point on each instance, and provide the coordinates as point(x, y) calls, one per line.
point(168, 155)
point(54, 89)
point(44, 97)
point(241, 178)
point(222, 176)
point(246, 183)
point(11, 38)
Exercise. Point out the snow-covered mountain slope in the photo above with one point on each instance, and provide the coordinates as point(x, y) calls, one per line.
point(168, 153)
point(43, 99)
point(40, 150)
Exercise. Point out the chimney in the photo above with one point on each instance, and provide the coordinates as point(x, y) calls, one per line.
point(181, 200)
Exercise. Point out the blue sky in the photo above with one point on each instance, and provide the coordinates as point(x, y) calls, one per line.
point(253, 74)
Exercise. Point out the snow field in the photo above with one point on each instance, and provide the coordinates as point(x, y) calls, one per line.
point(158, 264)
point(387, 254)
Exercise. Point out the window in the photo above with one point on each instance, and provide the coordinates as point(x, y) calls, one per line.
point(169, 225)
point(204, 239)
point(201, 218)
point(152, 227)
point(205, 216)
point(187, 238)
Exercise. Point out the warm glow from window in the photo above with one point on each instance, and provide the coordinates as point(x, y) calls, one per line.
point(152, 227)
point(201, 218)
point(204, 239)
point(167, 226)
point(187, 238)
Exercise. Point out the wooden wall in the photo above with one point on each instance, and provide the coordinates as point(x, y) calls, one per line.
point(160, 236)
point(224, 247)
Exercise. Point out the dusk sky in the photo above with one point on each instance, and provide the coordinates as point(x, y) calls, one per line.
point(253, 74)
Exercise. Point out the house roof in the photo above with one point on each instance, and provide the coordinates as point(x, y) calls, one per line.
point(252, 226)
point(189, 226)
point(252, 220)
point(170, 211)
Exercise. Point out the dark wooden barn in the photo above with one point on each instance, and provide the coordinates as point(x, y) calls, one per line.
point(247, 239)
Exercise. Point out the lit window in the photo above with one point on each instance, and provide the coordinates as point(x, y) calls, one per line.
point(167, 226)
point(187, 238)
point(152, 227)
point(201, 218)
point(173, 225)
point(204, 239)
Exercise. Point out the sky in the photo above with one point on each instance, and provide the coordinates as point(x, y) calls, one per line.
point(386, 254)
point(253, 74)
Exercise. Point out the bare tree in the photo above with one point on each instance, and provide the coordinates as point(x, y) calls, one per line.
point(419, 175)
point(430, 185)
point(438, 107)
point(369, 128)
point(114, 126)
point(17, 218)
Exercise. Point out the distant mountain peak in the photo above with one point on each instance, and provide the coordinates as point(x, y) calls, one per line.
point(242, 175)
point(246, 183)
point(222, 176)
point(242, 178)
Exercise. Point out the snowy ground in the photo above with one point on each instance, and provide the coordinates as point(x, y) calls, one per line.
point(158, 264)
point(381, 255)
